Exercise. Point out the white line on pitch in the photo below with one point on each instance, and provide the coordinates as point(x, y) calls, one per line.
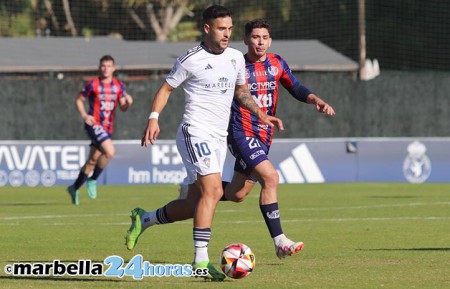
point(231, 210)
point(370, 206)
point(58, 216)
point(432, 218)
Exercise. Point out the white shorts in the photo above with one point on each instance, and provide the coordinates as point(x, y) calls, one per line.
point(201, 152)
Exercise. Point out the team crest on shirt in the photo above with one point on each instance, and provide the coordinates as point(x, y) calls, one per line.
point(233, 61)
point(207, 162)
point(247, 74)
point(273, 70)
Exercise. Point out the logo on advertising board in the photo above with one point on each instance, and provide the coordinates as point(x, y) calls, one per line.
point(417, 165)
point(300, 167)
point(33, 165)
point(166, 167)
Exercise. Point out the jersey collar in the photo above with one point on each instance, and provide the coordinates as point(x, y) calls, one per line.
point(203, 45)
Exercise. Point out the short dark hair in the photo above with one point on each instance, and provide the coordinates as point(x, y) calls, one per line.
point(257, 23)
point(214, 12)
point(107, 58)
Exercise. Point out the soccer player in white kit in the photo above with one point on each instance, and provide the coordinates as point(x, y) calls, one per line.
point(211, 75)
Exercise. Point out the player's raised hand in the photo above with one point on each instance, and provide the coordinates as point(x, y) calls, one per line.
point(323, 107)
point(151, 132)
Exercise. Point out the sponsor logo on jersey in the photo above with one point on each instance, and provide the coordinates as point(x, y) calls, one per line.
point(208, 67)
point(256, 154)
point(107, 96)
point(222, 84)
point(172, 72)
point(259, 86)
point(263, 126)
point(259, 73)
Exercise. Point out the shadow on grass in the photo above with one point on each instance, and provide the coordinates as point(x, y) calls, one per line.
point(405, 249)
point(393, 197)
point(27, 204)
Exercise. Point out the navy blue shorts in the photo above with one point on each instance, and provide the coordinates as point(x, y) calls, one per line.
point(248, 151)
point(97, 134)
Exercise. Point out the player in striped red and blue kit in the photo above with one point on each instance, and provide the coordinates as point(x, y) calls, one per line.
point(249, 140)
point(263, 80)
point(104, 94)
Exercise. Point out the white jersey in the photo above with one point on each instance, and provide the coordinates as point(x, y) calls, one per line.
point(209, 82)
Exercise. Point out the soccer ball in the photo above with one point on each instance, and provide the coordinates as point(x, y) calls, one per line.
point(237, 260)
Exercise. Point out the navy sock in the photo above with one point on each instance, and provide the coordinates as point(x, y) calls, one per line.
point(97, 172)
point(161, 215)
point(82, 177)
point(271, 215)
point(202, 236)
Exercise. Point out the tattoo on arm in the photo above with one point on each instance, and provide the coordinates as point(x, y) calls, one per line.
point(246, 100)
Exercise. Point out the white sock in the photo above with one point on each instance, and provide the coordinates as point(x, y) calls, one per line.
point(202, 236)
point(276, 239)
point(149, 219)
point(201, 254)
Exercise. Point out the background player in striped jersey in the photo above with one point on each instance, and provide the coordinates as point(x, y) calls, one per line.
point(104, 93)
point(212, 75)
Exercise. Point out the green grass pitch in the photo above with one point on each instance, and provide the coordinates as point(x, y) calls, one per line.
point(357, 236)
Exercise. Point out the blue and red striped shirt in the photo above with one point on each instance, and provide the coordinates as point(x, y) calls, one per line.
point(103, 99)
point(263, 80)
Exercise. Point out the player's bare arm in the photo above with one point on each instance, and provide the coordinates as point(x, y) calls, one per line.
point(243, 95)
point(79, 104)
point(321, 106)
point(125, 102)
point(152, 130)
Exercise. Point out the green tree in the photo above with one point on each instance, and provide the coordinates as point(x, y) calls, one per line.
point(162, 15)
point(14, 18)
